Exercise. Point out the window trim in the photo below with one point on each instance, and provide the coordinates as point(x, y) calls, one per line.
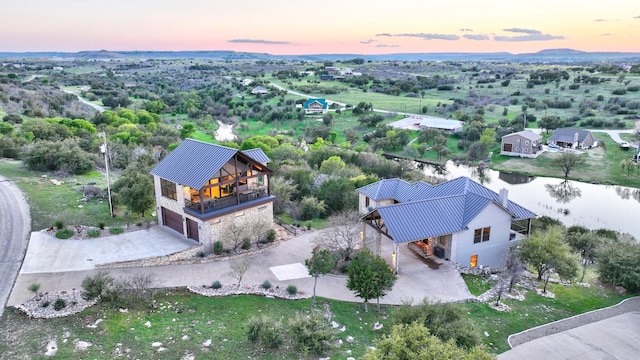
point(481, 235)
point(168, 189)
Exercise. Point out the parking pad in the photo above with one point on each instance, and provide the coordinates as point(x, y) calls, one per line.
point(290, 271)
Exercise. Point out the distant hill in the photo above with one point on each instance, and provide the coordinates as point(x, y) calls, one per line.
point(544, 56)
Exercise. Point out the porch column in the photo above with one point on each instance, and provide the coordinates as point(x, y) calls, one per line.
point(379, 244)
point(363, 234)
point(394, 258)
point(201, 198)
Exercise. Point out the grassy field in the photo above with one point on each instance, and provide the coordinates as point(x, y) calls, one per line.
point(183, 322)
point(602, 165)
point(49, 202)
point(477, 285)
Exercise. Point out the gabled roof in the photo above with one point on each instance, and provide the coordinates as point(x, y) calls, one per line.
point(321, 101)
point(431, 210)
point(194, 162)
point(258, 155)
point(527, 134)
point(433, 217)
point(567, 135)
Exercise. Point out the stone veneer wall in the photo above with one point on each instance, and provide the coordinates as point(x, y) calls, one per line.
point(173, 205)
point(213, 230)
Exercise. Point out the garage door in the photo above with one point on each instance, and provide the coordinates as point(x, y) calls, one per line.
point(172, 220)
point(192, 230)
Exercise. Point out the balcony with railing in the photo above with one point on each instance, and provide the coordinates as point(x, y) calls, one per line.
point(209, 206)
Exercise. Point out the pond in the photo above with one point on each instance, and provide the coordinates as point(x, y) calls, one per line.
point(574, 203)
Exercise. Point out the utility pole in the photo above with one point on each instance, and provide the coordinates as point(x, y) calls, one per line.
point(103, 149)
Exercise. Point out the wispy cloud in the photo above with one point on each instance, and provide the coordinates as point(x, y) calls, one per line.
point(387, 46)
point(523, 31)
point(466, 30)
point(606, 34)
point(601, 20)
point(367, 41)
point(476, 36)
point(529, 35)
point(256, 41)
point(424, 36)
point(637, 17)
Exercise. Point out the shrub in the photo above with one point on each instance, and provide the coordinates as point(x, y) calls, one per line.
point(311, 334)
point(201, 254)
point(266, 330)
point(64, 233)
point(292, 289)
point(95, 286)
point(34, 287)
point(58, 225)
point(93, 233)
point(218, 247)
point(101, 225)
point(246, 243)
point(266, 285)
point(46, 303)
point(216, 284)
point(271, 235)
point(59, 304)
point(115, 230)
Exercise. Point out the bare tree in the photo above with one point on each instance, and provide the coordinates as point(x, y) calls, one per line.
point(342, 235)
point(257, 229)
point(513, 268)
point(567, 161)
point(238, 269)
point(234, 233)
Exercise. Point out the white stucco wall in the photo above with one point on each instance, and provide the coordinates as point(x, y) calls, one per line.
point(490, 253)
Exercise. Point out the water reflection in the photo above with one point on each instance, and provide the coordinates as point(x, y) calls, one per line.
point(575, 203)
point(563, 192)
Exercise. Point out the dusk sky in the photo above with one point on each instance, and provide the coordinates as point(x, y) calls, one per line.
point(314, 27)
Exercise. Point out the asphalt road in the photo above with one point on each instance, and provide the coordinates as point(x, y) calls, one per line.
point(15, 226)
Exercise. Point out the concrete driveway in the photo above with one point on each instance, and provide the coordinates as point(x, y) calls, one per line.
point(617, 337)
point(62, 265)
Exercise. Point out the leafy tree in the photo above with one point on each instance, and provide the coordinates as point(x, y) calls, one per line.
point(586, 244)
point(320, 263)
point(369, 276)
point(59, 156)
point(332, 166)
point(135, 189)
point(6, 128)
point(283, 189)
point(619, 264)
point(338, 194)
point(414, 342)
point(310, 208)
point(567, 161)
point(448, 322)
point(187, 130)
point(547, 253)
point(488, 138)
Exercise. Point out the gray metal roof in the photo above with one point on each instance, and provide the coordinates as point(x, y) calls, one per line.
point(568, 134)
point(193, 163)
point(417, 220)
point(386, 189)
point(527, 134)
point(257, 155)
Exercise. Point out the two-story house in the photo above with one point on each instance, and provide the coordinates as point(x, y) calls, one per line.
point(202, 188)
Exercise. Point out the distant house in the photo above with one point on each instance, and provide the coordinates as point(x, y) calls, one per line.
point(246, 82)
point(316, 106)
point(203, 189)
point(524, 143)
point(572, 138)
point(327, 77)
point(428, 122)
point(459, 220)
point(259, 90)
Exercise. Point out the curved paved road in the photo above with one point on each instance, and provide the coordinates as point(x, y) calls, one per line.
point(15, 226)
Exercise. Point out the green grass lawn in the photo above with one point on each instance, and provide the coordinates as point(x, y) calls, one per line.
point(49, 202)
point(537, 310)
point(477, 284)
point(183, 322)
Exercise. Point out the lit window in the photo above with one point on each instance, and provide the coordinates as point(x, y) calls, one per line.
point(474, 261)
point(481, 235)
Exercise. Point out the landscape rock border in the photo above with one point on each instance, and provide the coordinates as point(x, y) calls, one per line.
point(74, 304)
point(233, 289)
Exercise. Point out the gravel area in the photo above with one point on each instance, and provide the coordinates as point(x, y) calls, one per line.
point(627, 305)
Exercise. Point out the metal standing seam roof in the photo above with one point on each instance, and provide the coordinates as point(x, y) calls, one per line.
point(527, 134)
point(386, 189)
point(412, 221)
point(193, 163)
point(567, 134)
point(257, 155)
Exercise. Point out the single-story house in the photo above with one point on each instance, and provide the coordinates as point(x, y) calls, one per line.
point(572, 138)
point(316, 106)
point(202, 190)
point(524, 143)
point(460, 220)
point(415, 122)
point(259, 90)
